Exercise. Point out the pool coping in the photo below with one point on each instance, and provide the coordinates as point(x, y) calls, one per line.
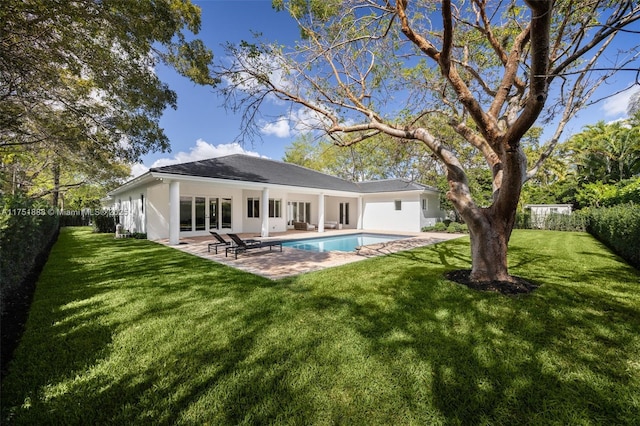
point(276, 265)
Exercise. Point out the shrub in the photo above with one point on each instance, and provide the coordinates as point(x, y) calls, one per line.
point(576, 221)
point(440, 227)
point(619, 228)
point(523, 220)
point(104, 223)
point(27, 229)
point(452, 228)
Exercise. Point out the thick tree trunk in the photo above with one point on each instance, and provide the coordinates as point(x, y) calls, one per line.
point(491, 227)
point(489, 242)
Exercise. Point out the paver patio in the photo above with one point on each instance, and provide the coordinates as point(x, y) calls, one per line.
point(276, 265)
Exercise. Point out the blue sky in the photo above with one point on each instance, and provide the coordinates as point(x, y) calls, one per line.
point(202, 128)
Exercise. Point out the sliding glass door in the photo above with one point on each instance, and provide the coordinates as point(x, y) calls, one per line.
point(203, 213)
point(298, 211)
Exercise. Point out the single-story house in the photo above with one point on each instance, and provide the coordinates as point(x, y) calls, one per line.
point(539, 212)
point(240, 193)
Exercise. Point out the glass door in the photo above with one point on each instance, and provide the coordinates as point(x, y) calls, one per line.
point(213, 213)
point(225, 207)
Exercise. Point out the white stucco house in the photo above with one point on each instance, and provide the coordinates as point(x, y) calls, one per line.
point(240, 193)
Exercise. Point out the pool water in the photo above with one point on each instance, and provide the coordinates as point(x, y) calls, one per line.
point(344, 243)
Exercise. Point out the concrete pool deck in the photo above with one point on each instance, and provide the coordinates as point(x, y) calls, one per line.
point(276, 265)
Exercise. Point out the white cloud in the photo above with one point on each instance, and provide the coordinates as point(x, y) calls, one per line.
point(279, 129)
point(617, 105)
point(299, 121)
point(138, 169)
point(204, 150)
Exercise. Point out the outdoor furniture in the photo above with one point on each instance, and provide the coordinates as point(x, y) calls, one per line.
point(241, 245)
point(303, 226)
point(220, 242)
point(330, 225)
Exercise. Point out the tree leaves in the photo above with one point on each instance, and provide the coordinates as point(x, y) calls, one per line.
point(77, 78)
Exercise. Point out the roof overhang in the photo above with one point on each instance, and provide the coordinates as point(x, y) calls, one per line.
point(153, 177)
point(159, 177)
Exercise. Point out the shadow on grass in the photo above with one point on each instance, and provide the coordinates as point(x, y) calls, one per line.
point(152, 335)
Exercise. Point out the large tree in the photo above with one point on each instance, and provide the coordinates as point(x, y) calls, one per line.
point(492, 69)
point(78, 85)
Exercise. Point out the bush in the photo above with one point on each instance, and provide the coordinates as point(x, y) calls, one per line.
point(576, 221)
point(440, 227)
point(27, 228)
point(619, 228)
point(523, 220)
point(453, 228)
point(104, 223)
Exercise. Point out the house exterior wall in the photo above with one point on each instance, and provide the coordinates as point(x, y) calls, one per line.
point(131, 208)
point(158, 211)
point(432, 213)
point(147, 207)
point(380, 212)
point(276, 224)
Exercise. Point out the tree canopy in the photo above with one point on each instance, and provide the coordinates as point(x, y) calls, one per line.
point(77, 80)
point(489, 70)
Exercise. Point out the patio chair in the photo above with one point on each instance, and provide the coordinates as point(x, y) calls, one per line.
point(241, 246)
point(303, 226)
point(220, 242)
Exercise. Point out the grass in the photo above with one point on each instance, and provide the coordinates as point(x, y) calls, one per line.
point(132, 332)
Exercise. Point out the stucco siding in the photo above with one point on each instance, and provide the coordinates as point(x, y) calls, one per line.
point(380, 212)
point(432, 213)
point(158, 211)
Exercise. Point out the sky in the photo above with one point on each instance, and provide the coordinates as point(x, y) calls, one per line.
point(201, 128)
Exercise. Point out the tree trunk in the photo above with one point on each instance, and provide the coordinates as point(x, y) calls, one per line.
point(56, 185)
point(490, 228)
point(489, 242)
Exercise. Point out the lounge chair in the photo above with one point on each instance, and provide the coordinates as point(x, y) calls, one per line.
point(241, 246)
point(220, 242)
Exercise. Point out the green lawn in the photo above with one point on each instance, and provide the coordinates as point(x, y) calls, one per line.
point(130, 332)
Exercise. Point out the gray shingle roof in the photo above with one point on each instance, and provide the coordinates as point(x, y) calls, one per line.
point(245, 168)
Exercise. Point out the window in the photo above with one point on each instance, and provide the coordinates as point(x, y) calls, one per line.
point(225, 209)
point(201, 208)
point(275, 208)
point(185, 214)
point(142, 203)
point(425, 204)
point(398, 204)
point(253, 207)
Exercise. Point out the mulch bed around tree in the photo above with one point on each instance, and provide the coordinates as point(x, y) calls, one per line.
point(519, 286)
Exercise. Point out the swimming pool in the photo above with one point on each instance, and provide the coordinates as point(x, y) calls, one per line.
point(344, 243)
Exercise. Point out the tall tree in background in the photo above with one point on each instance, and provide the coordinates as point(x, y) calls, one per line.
point(78, 91)
point(366, 67)
point(607, 153)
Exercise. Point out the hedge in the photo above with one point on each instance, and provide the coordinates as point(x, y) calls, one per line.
point(618, 227)
point(27, 228)
point(576, 221)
